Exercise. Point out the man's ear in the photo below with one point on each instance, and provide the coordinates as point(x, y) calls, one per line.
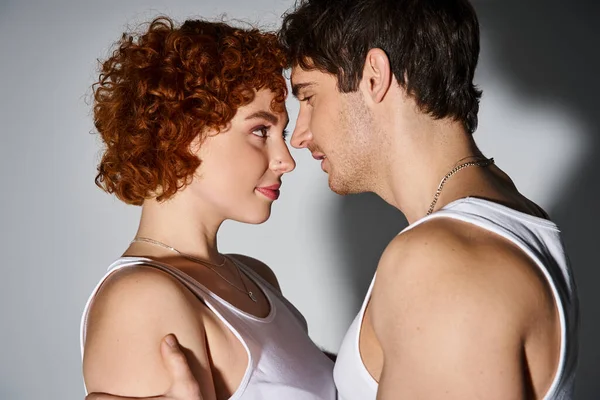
point(377, 74)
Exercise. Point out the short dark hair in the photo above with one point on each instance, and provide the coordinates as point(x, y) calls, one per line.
point(432, 45)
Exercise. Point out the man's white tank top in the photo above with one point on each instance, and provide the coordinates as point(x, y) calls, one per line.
point(283, 362)
point(536, 237)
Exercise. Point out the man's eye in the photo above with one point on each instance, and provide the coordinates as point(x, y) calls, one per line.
point(261, 132)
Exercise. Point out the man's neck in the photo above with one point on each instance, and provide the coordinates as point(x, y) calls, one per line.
point(418, 160)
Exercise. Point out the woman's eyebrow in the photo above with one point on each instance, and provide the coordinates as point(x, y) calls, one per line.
point(269, 116)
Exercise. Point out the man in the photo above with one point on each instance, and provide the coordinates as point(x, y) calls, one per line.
point(475, 298)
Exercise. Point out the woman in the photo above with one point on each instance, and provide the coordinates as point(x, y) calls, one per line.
point(193, 120)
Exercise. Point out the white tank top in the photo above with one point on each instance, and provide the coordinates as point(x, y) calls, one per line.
point(540, 240)
point(283, 362)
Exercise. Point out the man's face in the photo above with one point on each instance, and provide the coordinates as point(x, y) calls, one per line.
point(336, 128)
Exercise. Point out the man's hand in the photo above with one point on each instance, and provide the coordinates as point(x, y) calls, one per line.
point(185, 386)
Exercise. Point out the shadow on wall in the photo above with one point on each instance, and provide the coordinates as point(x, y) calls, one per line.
point(548, 50)
point(366, 225)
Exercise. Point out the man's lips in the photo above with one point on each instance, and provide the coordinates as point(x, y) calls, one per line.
point(320, 157)
point(323, 160)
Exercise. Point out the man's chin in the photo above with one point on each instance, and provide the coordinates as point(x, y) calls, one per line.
point(342, 188)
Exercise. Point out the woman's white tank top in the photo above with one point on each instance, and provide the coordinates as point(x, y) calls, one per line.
point(283, 362)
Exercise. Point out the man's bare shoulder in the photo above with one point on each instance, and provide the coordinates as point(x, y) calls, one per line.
point(462, 267)
point(260, 268)
point(452, 300)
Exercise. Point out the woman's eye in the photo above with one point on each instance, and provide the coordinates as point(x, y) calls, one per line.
point(261, 132)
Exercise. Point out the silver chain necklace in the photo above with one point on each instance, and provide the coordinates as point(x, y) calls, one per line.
point(200, 261)
point(480, 163)
point(188, 256)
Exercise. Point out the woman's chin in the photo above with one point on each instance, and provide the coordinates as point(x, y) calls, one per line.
point(257, 218)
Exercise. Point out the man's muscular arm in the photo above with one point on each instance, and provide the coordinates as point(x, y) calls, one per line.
point(448, 325)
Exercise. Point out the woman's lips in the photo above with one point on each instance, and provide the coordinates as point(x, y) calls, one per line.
point(270, 192)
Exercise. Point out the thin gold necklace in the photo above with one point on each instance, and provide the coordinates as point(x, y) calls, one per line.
point(205, 263)
point(480, 163)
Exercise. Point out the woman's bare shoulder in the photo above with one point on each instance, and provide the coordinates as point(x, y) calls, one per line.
point(132, 311)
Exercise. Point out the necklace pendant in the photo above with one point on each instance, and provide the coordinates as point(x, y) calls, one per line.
point(252, 297)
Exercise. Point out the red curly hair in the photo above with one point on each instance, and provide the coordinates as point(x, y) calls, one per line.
point(162, 89)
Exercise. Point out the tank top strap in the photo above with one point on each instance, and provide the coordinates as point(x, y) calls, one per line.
point(270, 290)
point(201, 291)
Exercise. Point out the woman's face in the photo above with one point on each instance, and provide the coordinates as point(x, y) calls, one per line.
point(242, 165)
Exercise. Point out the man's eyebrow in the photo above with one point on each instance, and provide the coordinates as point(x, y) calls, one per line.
point(272, 118)
point(296, 87)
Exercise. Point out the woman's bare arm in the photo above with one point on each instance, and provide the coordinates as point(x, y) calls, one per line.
point(131, 314)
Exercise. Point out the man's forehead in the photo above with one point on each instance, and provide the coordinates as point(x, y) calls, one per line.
point(301, 75)
point(301, 79)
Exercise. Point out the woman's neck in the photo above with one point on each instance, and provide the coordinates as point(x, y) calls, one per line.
point(190, 230)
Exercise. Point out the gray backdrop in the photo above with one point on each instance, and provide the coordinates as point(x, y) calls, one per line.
point(59, 232)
